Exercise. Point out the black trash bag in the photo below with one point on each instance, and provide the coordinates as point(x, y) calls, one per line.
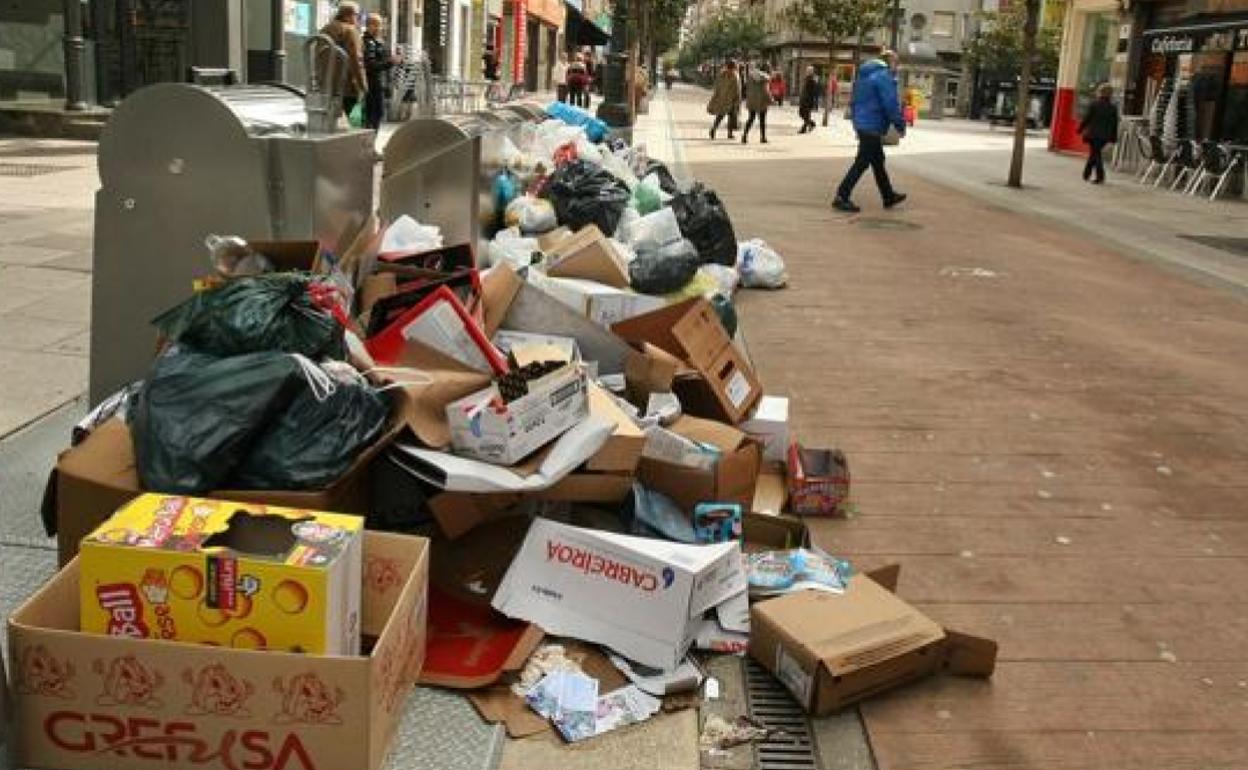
point(197, 415)
point(664, 270)
point(312, 443)
point(667, 182)
point(274, 311)
point(584, 194)
point(704, 220)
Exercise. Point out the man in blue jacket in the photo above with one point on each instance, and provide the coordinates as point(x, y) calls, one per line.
point(874, 107)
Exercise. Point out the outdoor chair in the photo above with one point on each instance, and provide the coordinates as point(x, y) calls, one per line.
point(1189, 162)
point(1152, 151)
point(1175, 160)
point(1218, 163)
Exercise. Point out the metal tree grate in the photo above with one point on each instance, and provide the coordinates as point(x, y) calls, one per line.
point(791, 746)
point(30, 169)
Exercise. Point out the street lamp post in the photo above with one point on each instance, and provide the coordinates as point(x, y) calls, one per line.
point(615, 110)
point(895, 35)
point(277, 41)
point(75, 46)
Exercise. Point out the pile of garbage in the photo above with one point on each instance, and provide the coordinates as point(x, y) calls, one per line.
point(563, 441)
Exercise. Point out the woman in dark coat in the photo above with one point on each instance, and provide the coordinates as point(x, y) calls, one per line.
point(1098, 128)
point(725, 98)
point(808, 99)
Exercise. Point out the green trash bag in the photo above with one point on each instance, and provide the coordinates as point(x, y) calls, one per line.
point(646, 197)
point(356, 116)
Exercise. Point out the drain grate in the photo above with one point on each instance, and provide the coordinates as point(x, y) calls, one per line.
point(791, 747)
point(1235, 246)
point(30, 169)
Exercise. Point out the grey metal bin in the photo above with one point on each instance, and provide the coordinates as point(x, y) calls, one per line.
point(179, 162)
point(441, 170)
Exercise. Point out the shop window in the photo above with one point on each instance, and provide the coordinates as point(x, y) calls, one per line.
point(1235, 114)
point(918, 23)
point(943, 23)
point(1100, 42)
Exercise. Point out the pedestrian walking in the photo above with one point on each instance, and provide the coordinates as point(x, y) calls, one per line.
point(378, 60)
point(670, 76)
point(578, 81)
point(559, 74)
point(345, 32)
point(777, 88)
point(808, 99)
point(874, 109)
point(725, 98)
point(1098, 128)
point(757, 100)
point(489, 64)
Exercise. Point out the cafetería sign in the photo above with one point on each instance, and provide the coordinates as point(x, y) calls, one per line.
point(1207, 37)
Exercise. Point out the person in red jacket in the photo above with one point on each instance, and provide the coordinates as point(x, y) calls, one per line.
point(777, 88)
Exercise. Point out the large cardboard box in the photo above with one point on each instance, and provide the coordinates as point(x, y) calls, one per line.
point(732, 480)
point(87, 702)
point(724, 385)
point(225, 573)
point(643, 598)
point(98, 476)
point(832, 650)
point(599, 302)
point(587, 254)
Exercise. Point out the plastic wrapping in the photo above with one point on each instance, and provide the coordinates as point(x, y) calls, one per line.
point(531, 215)
point(654, 231)
point(584, 194)
point(664, 270)
point(667, 183)
point(509, 247)
point(273, 312)
point(704, 220)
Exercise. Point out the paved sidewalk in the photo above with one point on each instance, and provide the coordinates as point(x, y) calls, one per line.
point(1047, 434)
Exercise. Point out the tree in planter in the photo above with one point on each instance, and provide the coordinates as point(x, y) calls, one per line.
point(832, 21)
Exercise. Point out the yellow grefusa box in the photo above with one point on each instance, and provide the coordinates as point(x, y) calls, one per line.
point(227, 574)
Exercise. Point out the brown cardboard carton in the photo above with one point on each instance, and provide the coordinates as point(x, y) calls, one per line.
point(771, 494)
point(86, 702)
point(648, 370)
point(622, 452)
point(724, 386)
point(587, 254)
point(763, 532)
point(548, 241)
point(732, 480)
point(832, 650)
point(98, 476)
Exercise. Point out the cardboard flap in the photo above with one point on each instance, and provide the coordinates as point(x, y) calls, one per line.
point(430, 380)
point(105, 458)
point(967, 655)
point(588, 254)
point(717, 434)
point(499, 287)
point(886, 576)
point(360, 257)
point(658, 327)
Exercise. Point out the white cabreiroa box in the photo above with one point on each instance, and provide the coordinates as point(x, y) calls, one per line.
point(484, 428)
point(92, 702)
point(642, 598)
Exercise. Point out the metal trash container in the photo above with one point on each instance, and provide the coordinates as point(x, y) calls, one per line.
point(179, 162)
point(441, 171)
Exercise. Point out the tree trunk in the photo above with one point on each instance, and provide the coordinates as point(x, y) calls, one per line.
point(1023, 100)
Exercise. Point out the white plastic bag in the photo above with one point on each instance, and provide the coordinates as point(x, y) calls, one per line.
point(628, 218)
point(656, 229)
point(531, 215)
point(407, 236)
point(760, 266)
point(511, 248)
point(726, 278)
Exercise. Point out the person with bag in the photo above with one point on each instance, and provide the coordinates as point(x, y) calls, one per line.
point(1098, 128)
point(377, 63)
point(725, 98)
point(757, 100)
point(345, 33)
point(874, 109)
point(808, 99)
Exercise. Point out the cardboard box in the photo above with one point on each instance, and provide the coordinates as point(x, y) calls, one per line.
point(87, 702)
point(832, 650)
point(732, 480)
point(224, 573)
point(485, 428)
point(599, 302)
point(818, 480)
point(769, 426)
point(723, 385)
point(587, 254)
point(647, 371)
point(622, 452)
point(643, 598)
point(771, 493)
point(548, 241)
point(98, 476)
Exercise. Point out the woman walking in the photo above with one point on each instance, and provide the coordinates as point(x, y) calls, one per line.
point(1098, 128)
point(725, 98)
point(578, 82)
point(808, 99)
point(757, 100)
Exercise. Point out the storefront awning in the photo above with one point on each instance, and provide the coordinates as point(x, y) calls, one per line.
point(581, 30)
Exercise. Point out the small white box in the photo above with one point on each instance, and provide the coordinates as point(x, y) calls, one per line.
point(485, 428)
point(769, 426)
point(642, 598)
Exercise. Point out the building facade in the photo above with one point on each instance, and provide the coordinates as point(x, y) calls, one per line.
point(1180, 64)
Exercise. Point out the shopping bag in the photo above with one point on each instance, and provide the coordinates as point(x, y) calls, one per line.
point(892, 136)
point(356, 117)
